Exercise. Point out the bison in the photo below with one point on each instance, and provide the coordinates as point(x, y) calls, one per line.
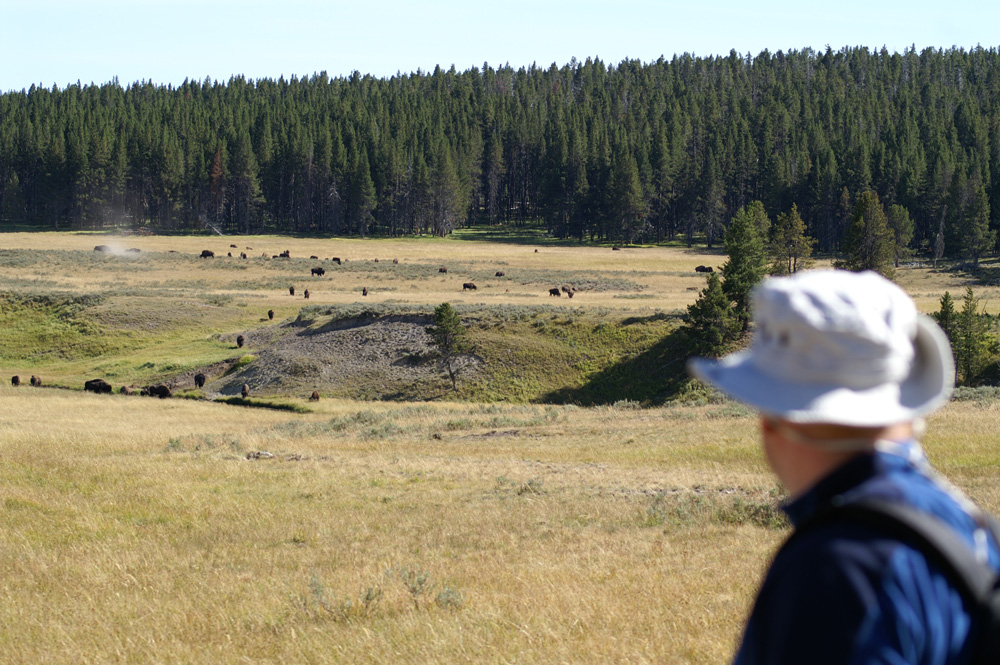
point(245, 391)
point(239, 341)
point(442, 269)
point(233, 246)
point(395, 261)
point(159, 390)
point(291, 290)
point(102, 248)
point(199, 380)
point(554, 292)
point(314, 397)
point(364, 290)
point(97, 386)
point(229, 254)
point(15, 380)
point(306, 294)
point(315, 258)
point(125, 390)
point(500, 273)
point(468, 286)
point(616, 248)
point(336, 260)
point(319, 272)
point(36, 381)
point(270, 314)
point(243, 255)
point(703, 269)
point(285, 254)
point(207, 254)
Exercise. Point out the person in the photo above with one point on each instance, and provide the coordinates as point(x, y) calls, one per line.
point(841, 369)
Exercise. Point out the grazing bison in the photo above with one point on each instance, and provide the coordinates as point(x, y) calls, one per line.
point(160, 391)
point(229, 254)
point(442, 269)
point(318, 271)
point(245, 392)
point(291, 290)
point(270, 314)
point(376, 260)
point(364, 290)
point(239, 341)
point(616, 248)
point(500, 273)
point(306, 294)
point(199, 380)
point(243, 255)
point(703, 269)
point(395, 260)
point(285, 254)
point(554, 292)
point(314, 397)
point(102, 248)
point(15, 380)
point(233, 246)
point(35, 381)
point(207, 254)
point(336, 260)
point(468, 286)
point(97, 386)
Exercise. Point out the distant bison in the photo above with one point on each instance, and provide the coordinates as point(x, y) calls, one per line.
point(314, 397)
point(336, 260)
point(364, 290)
point(500, 273)
point(468, 286)
point(35, 381)
point(97, 386)
point(245, 392)
point(395, 260)
point(229, 254)
point(314, 257)
point(376, 260)
point(125, 390)
point(102, 248)
point(554, 292)
point(306, 294)
point(285, 254)
point(270, 314)
point(15, 380)
point(703, 269)
point(616, 248)
point(233, 246)
point(442, 269)
point(160, 391)
point(291, 290)
point(199, 380)
point(239, 341)
point(243, 255)
point(207, 254)
point(318, 272)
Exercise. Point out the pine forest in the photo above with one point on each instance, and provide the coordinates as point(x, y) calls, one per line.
point(626, 153)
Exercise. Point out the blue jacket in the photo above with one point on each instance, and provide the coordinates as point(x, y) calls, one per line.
point(846, 594)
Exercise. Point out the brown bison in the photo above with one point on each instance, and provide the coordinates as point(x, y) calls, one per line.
point(291, 290)
point(270, 314)
point(364, 290)
point(102, 248)
point(468, 286)
point(207, 254)
point(376, 260)
point(15, 380)
point(395, 260)
point(554, 292)
point(233, 246)
point(243, 255)
point(36, 381)
point(199, 380)
point(314, 257)
point(703, 269)
point(319, 272)
point(245, 391)
point(285, 254)
point(336, 260)
point(442, 269)
point(314, 397)
point(97, 386)
point(239, 341)
point(306, 294)
point(616, 248)
point(160, 391)
point(500, 273)
point(229, 254)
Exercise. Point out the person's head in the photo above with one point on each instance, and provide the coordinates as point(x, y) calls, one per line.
point(837, 359)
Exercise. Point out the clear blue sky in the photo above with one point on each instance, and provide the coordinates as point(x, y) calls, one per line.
point(58, 42)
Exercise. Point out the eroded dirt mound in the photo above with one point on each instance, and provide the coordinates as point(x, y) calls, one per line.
point(381, 358)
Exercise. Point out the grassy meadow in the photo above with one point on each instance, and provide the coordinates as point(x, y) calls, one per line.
point(432, 531)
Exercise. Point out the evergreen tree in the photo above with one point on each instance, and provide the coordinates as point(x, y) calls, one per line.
point(747, 262)
point(789, 246)
point(449, 338)
point(971, 339)
point(946, 317)
point(869, 243)
point(901, 225)
point(711, 324)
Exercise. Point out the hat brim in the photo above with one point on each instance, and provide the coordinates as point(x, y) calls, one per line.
point(927, 386)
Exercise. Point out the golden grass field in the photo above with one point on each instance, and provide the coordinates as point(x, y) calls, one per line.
point(148, 531)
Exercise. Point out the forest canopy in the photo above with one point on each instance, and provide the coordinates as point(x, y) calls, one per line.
point(628, 153)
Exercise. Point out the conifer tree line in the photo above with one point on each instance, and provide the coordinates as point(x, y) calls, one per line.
point(627, 153)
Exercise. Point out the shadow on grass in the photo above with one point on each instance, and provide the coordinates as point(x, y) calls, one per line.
point(649, 378)
point(260, 404)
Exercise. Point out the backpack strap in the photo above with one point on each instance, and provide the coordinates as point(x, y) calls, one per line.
point(939, 542)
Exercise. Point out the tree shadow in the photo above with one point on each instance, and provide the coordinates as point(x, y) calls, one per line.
point(649, 378)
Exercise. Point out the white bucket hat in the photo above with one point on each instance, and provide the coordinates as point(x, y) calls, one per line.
point(839, 347)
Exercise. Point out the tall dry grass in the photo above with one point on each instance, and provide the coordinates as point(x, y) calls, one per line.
point(137, 530)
